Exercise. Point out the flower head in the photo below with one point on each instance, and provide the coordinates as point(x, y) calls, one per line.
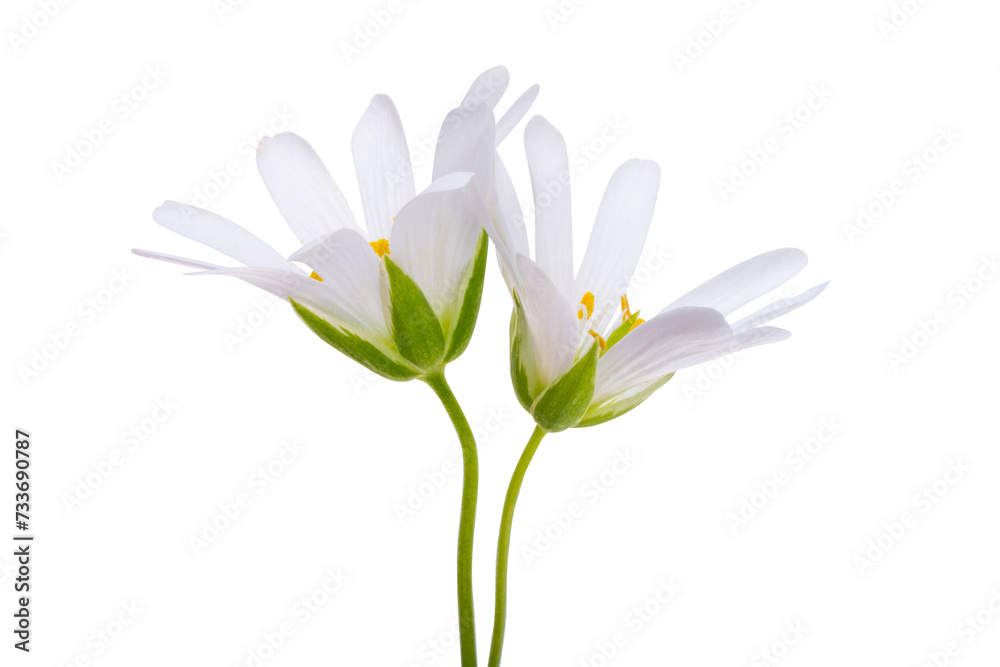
point(579, 354)
point(400, 295)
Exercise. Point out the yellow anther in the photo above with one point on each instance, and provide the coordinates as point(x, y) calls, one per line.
point(637, 322)
point(588, 305)
point(315, 276)
point(600, 340)
point(381, 247)
point(626, 312)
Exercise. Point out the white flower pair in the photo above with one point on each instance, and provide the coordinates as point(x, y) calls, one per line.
point(401, 296)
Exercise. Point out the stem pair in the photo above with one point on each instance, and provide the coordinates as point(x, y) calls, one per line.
point(467, 524)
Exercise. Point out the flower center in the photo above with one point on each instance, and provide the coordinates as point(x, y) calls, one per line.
point(629, 322)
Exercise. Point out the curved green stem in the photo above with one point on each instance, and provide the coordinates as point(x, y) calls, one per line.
point(467, 519)
point(503, 544)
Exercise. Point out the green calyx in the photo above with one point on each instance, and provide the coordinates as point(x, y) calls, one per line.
point(521, 359)
point(472, 290)
point(428, 339)
point(415, 328)
point(565, 401)
point(422, 342)
point(355, 347)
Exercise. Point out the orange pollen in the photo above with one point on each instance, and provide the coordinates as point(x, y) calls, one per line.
point(315, 276)
point(600, 340)
point(588, 306)
point(626, 313)
point(381, 247)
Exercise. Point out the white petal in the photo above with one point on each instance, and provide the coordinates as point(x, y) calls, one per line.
point(657, 370)
point(348, 266)
point(515, 113)
point(310, 293)
point(618, 236)
point(283, 284)
point(657, 346)
point(382, 161)
point(434, 238)
point(488, 87)
point(550, 320)
point(778, 308)
point(505, 226)
point(219, 233)
point(508, 264)
point(741, 341)
point(467, 143)
point(174, 259)
point(301, 187)
point(548, 164)
point(505, 209)
point(741, 284)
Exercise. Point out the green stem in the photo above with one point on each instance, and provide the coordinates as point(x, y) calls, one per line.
point(503, 544)
point(467, 519)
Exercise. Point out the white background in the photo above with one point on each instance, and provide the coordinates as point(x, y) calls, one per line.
point(711, 438)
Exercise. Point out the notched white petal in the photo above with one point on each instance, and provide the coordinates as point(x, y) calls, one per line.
point(660, 346)
point(548, 166)
point(748, 280)
point(382, 162)
point(218, 233)
point(309, 292)
point(174, 259)
point(505, 209)
point(303, 190)
point(467, 143)
point(518, 110)
point(778, 308)
point(488, 87)
point(619, 234)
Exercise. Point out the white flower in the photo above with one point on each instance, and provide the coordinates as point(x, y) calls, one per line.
point(579, 355)
point(400, 295)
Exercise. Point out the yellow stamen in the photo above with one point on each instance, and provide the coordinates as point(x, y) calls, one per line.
point(626, 312)
point(588, 304)
point(637, 322)
point(600, 340)
point(381, 247)
point(315, 276)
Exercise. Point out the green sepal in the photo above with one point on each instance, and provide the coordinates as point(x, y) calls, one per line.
point(599, 414)
point(415, 328)
point(355, 347)
point(520, 357)
point(466, 322)
point(566, 400)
